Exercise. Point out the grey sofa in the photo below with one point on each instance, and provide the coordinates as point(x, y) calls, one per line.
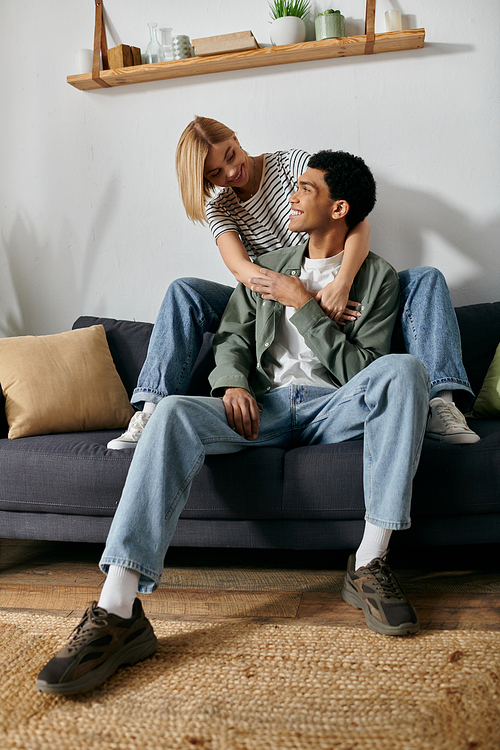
point(67, 487)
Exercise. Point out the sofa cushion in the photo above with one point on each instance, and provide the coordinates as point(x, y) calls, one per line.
point(487, 404)
point(325, 482)
point(75, 474)
point(72, 474)
point(128, 343)
point(61, 383)
point(480, 333)
point(459, 480)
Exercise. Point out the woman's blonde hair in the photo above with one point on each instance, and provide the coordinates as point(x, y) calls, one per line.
point(192, 150)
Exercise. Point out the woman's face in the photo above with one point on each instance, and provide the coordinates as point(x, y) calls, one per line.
point(227, 165)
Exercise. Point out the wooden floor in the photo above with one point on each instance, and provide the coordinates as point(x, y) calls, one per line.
point(452, 588)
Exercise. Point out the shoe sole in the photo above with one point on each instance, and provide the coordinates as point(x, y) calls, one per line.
point(119, 445)
point(462, 439)
point(137, 652)
point(406, 628)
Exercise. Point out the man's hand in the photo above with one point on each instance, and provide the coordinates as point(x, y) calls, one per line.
point(242, 412)
point(289, 290)
point(334, 301)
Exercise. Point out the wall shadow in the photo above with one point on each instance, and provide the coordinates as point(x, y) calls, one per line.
point(45, 279)
point(403, 221)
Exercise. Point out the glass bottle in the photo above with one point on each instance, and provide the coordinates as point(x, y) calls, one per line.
point(154, 51)
point(166, 43)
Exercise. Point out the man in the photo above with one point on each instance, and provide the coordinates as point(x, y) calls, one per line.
point(285, 374)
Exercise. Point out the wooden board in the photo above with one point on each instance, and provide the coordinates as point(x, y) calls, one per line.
point(240, 41)
point(394, 41)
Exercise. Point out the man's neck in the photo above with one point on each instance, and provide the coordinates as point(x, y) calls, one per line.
point(327, 245)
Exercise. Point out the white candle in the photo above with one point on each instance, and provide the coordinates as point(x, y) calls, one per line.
point(393, 20)
point(84, 60)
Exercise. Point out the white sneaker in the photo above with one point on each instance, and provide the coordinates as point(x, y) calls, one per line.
point(133, 433)
point(447, 423)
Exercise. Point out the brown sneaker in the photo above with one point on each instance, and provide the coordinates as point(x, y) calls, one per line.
point(375, 590)
point(99, 644)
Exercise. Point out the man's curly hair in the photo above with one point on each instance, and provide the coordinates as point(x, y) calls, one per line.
point(348, 178)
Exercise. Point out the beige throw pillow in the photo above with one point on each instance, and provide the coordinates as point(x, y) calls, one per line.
point(66, 382)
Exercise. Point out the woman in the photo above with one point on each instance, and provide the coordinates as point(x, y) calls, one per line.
point(250, 215)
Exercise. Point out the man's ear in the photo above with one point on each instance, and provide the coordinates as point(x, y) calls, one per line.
point(340, 209)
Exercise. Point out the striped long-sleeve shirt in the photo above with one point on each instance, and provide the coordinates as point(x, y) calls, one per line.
point(262, 221)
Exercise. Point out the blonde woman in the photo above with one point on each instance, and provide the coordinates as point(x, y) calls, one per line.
point(244, 200)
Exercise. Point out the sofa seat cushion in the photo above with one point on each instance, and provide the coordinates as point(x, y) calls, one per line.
point(75, 474)
point(326, 482)
point(71, 474)
point(459, 480)
point(246, 485)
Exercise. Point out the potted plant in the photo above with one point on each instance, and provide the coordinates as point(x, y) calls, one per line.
point(287, 24)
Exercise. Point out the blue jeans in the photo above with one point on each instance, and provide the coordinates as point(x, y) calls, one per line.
point(386, 404)
point(430, 329)
point(190, 308)
point(193, 306)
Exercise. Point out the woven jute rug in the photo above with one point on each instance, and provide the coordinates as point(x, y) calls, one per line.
point(254, 685)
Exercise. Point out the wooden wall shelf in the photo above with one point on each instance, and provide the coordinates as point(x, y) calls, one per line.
point(326, 49)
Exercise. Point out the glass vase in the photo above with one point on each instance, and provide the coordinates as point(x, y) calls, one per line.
point(166, 43)
point(154, 51)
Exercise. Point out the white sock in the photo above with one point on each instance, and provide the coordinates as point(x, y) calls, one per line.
point(446, 396)
point(119, 591)
point(149, 407)
point(374, 544)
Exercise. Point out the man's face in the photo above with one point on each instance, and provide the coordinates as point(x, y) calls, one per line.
point(311, 207)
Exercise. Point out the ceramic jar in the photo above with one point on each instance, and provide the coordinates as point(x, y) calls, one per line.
point(329, 25)
point(181, 47)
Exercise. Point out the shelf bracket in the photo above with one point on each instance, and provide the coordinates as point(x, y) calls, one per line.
point(370, 26)
point(100, 46)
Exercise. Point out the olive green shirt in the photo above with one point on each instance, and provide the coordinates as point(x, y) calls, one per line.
point(249, 324)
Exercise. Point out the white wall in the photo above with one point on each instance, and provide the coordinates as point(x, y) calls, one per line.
point(91, 220)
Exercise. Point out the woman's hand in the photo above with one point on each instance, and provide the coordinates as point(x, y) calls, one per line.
point(242, 412)
point(334, 301)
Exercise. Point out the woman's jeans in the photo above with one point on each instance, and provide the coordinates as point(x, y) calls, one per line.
point(192, 307)
point(386, 404)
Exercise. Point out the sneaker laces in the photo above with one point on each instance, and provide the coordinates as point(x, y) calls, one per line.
point(137, 424)
point(81, 634)
point(385, 581)
point(451, 416)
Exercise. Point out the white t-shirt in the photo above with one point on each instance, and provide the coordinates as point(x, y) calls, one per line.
point(262, 221)
point(296, 363)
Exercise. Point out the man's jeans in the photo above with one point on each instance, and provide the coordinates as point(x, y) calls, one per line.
point(193, 306)
point(386, 403)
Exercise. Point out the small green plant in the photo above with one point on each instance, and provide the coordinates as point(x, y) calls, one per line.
point(281, 8)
